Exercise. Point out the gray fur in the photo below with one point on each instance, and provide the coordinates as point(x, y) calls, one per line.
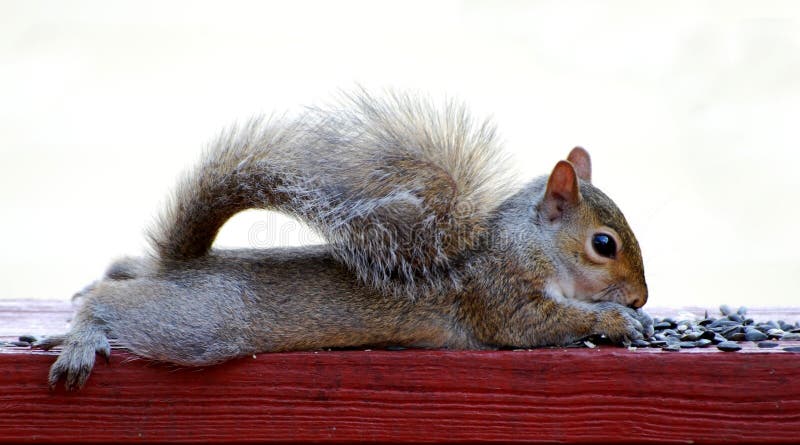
point(359, 172)
point(426, 247)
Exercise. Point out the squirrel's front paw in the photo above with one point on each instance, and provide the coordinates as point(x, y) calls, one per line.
point(76, 360)
point(647, 322)
point(622, 324)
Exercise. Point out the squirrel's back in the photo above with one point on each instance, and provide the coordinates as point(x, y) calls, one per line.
point(397, 186)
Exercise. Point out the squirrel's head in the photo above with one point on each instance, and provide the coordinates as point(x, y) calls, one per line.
point(596, 256)
point(583, 248)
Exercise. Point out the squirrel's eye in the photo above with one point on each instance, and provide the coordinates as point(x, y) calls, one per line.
point(604, 245)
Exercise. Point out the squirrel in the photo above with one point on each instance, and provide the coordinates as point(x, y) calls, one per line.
point(427, 246)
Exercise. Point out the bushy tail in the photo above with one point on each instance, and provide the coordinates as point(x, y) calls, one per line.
point(398, 188)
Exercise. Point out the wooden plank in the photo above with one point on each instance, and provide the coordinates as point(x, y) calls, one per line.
point(608, 394)
point(579, 395)
point(39, 317)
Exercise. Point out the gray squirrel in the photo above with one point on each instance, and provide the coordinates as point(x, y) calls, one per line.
point(428, 246)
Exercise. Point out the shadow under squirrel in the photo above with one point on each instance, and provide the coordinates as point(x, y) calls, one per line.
point(427, 247)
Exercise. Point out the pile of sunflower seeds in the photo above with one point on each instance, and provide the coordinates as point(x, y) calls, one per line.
point(724, 332)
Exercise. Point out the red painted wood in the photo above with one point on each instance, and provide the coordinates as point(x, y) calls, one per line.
point(607, 394)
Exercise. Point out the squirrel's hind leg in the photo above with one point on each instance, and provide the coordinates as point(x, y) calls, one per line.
point(88, 336)
point(76, 360)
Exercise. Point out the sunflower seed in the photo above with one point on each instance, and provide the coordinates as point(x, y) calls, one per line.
point(737, 336)
point(755, 335)
point(729, 346)
point(691, 336)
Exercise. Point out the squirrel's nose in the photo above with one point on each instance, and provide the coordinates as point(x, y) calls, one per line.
point(637, 294)
point(638, 300)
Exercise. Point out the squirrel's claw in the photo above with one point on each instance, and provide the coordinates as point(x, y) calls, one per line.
point(75, 363)
point(646, 320)
point(49, 343)
point(622, 324)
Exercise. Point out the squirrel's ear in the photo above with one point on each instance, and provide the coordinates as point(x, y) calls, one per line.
point(579, 158)
point(562, 190)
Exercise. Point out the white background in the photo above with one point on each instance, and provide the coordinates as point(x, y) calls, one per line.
point(690, 109)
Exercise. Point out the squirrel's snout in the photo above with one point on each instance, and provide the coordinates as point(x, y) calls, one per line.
point(637, 299)
point(636, 293)
point(638, 302)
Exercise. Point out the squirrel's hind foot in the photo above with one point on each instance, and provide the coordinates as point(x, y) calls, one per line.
point(76, 360)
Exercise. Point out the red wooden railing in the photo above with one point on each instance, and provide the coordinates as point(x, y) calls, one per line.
point(607, 394)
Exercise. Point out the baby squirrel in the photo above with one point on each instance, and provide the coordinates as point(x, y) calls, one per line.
point(427, 247)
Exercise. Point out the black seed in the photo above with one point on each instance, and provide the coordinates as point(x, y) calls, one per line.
point(771, 325)
point(705, 321)
point(736, 317)
point(658, 343)
point(691, 336)
point(767, 344)
point(733, 328)
point(754, 335)
point(728, 346)
point(761, 328)
point(792, 349)
point(709, 335)
point(775, 333)
point(722, 323)
point(27, 338)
